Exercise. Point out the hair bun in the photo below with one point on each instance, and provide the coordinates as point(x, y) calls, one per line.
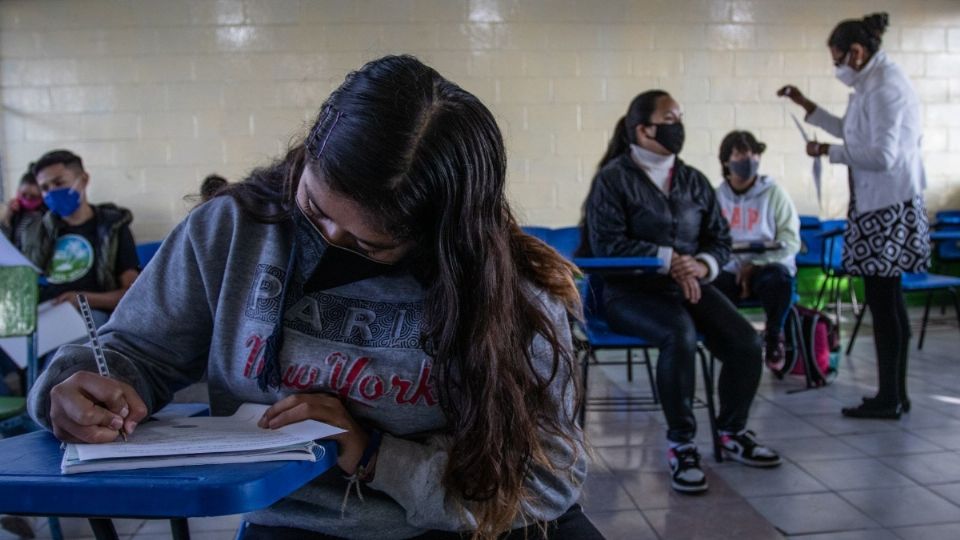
point(877, 23)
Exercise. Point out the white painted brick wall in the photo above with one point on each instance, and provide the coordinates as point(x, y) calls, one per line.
point(155, 95)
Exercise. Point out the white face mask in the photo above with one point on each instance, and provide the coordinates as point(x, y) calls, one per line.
point(846, 74)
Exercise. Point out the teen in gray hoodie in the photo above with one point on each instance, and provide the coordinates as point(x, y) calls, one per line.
point(374, 279)
point(758, 210)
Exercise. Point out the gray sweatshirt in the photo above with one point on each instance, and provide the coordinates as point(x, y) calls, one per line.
point(207, 303)
point(764, 212)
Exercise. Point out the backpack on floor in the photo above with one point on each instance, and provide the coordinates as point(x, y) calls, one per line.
point(813, 345)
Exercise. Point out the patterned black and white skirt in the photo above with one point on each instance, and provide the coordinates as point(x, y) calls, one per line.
point(889, 241)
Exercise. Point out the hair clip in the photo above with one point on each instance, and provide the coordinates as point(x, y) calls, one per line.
point(315, 134)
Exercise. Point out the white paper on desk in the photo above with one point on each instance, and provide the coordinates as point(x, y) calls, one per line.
point(817, 164)
point(56, 325)
point(11, 256)
point(208, 434)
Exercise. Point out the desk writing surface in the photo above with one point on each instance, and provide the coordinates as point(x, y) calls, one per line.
point(945, 235)
point(614, 263)
point(31, 483)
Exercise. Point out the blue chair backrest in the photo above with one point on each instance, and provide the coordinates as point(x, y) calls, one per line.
point(810, 246)
point(809, 222)
point(833, 258)
point(564, 239)
point(540, 233)
point(146, 251)
point(948, 220)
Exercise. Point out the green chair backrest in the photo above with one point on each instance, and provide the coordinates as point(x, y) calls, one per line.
point(18, 301)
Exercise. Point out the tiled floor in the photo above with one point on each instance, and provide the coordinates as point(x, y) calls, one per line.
point(842, 479)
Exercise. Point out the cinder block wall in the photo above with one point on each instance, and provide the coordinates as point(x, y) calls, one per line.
point(156, 94)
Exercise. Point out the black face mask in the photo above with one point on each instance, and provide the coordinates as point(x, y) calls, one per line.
point(322, 265)
point(670, 136)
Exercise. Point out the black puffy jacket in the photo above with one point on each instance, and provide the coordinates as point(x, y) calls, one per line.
point(626, 214)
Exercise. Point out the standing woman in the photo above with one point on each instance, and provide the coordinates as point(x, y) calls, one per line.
point(646, 202)
point(887, 232)
point(375, 279)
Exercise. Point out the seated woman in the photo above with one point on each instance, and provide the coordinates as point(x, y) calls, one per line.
point(374, 279)
point(645, 201)
point(758, 210)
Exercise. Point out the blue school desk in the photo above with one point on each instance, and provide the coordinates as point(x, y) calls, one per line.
point(617, 265)
point(31, 484)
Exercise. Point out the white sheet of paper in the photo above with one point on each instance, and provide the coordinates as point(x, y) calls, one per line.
point(11, 256)
point(817, 164)
point(56, 325)
point(817, 175)
point(208, 434)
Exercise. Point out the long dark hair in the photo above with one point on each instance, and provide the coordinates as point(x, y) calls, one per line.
point(639, 112)
point(427, 157)
point(867, 31)
point(624, 133)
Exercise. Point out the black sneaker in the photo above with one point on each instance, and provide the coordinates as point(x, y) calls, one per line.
point(743, 447)
point(686, 476)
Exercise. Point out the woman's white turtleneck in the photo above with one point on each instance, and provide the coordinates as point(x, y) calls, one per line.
point(657, 166)
point(659, 169)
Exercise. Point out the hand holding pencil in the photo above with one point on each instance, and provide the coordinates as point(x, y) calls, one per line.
point(94, 408)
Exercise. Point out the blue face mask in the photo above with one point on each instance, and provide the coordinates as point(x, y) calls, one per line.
point(62, 202)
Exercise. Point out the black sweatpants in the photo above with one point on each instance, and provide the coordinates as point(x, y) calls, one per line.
point(661, 315)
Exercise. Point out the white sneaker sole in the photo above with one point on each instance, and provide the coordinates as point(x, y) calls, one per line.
point(749, 462)
point(688, 489)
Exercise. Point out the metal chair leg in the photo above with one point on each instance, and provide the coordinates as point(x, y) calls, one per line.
point(926, 317)
point(856, 329)
point(653, 382)
point(179, 529)
point(629, 365)
point(711, 409)
point(56, 533)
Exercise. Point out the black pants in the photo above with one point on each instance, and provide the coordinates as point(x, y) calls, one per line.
point(572, 525)
point(891, 331)
point(772, 285)
point(661, 315)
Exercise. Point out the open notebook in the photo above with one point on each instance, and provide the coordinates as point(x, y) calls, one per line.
point(202, 440)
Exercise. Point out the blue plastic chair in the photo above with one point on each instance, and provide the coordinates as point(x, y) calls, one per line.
point(563, 239)
point(597, 335)
point(922, 282)
point(146, 251)
point(811, 245)
point(948, 220)
point(831, 262)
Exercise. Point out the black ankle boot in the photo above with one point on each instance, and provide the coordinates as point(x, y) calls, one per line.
point(873, 410)
point(904, 403)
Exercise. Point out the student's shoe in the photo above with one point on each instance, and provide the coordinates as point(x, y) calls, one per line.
point(686, 476)
point(743, 447)
point(873, 410)
point(775, 354)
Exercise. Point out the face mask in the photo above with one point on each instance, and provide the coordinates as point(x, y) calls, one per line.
point(670, 136)
point(844, 73)
point(745, 168)
point(62, 202)
point(29, 204)
point(323, 265)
